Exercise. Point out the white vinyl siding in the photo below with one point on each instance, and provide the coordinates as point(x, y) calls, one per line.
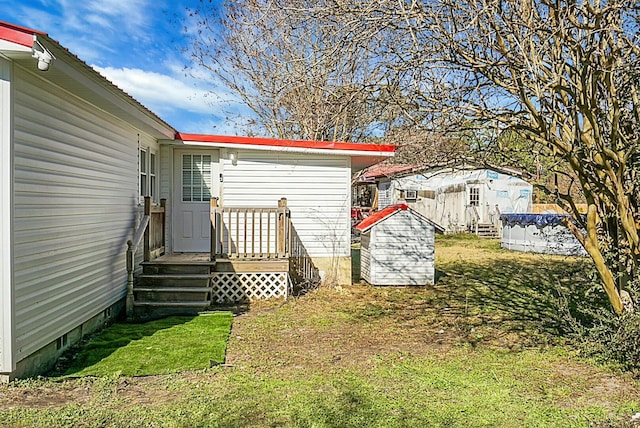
point(317, 188)
point(385, 194)
point(6, 270)
point(166, 161)
point(399, 250)
point(75, 206)
point(365, 256)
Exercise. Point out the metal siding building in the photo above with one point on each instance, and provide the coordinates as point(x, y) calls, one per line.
point(398, 247)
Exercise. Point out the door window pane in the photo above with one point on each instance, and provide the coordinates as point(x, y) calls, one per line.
point(196, 178)
point(474, 196)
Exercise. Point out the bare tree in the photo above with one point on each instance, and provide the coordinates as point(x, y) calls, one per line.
point(563, 75)
point(297, 68)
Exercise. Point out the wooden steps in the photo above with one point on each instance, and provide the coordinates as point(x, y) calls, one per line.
point(172, 285)
point(171, 304)
point(487, 230)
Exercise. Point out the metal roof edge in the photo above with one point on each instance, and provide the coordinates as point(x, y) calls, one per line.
point(360, 149)
point(18, 34)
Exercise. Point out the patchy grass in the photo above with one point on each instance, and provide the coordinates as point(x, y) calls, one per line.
point(168, 345)
point(483, 347)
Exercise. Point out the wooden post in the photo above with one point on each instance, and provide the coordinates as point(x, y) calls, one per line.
point(213, 204)
point(281, 235)
point(130, 262)
point(163, 204)
point(147, 212)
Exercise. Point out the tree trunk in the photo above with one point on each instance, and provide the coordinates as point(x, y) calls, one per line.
point(590, 243)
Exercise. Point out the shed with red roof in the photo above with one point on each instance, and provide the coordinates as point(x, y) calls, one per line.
point(398, 247)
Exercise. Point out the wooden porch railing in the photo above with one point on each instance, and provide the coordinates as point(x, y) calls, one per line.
point(472, 218)
point(250, 233)
point(152, 233)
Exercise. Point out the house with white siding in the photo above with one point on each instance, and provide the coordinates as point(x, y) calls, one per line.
point(94, 185)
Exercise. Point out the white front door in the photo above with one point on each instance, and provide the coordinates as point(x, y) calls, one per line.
point(196, 182)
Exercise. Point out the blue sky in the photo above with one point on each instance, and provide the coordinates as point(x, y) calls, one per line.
point(138, 45)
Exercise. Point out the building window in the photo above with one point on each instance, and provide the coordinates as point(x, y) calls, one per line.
point(196, 178)
point(148, 171)
point(411, 195)
point(474, 196)
point(144, 183)
point(152, 176)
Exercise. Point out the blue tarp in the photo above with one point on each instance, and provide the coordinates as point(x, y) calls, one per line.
point(541, 220)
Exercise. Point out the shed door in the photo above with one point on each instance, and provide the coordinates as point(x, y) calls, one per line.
point(196, 182)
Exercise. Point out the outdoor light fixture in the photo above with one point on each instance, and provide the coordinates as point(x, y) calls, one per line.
point(43, 56)
point(233, 157)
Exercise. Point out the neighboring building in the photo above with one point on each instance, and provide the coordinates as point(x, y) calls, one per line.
point(397, 247)
point(77, 158)
point(457, 199)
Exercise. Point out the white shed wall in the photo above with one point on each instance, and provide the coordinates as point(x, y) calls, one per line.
point(75, 206)
point(317, 189)
point(365, 257)
point(402, 251)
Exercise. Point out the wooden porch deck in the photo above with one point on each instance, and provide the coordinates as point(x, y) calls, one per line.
point(184, 258)
point(255, 254)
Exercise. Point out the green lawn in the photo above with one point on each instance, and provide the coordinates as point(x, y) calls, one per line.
point(484, 347)
point(163, 346)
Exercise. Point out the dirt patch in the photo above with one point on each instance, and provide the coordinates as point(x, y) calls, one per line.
point(337, 327)
point(40, 395)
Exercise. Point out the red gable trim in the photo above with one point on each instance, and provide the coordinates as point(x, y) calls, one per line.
point(16, 34)
point(376, 217)
point(380, 215)
point(286, 143)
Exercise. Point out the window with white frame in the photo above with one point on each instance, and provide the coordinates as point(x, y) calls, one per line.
point(152, 176)
point(411, 195)
point(196, 178)
point(474, 196)
point(148, 167)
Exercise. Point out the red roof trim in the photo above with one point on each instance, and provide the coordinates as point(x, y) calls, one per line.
point(376, 217)
point(17, 34)
point(286, 143)
point(380, 215)
point(385, 170)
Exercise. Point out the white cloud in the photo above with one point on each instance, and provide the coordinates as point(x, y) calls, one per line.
point(207, 108)
point(130, 16)
point(159, 92)
point(137, 46)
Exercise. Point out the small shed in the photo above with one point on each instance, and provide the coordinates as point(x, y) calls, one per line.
point(398, 247)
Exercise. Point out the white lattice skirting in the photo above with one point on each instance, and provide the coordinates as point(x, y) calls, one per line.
point(237, 287)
